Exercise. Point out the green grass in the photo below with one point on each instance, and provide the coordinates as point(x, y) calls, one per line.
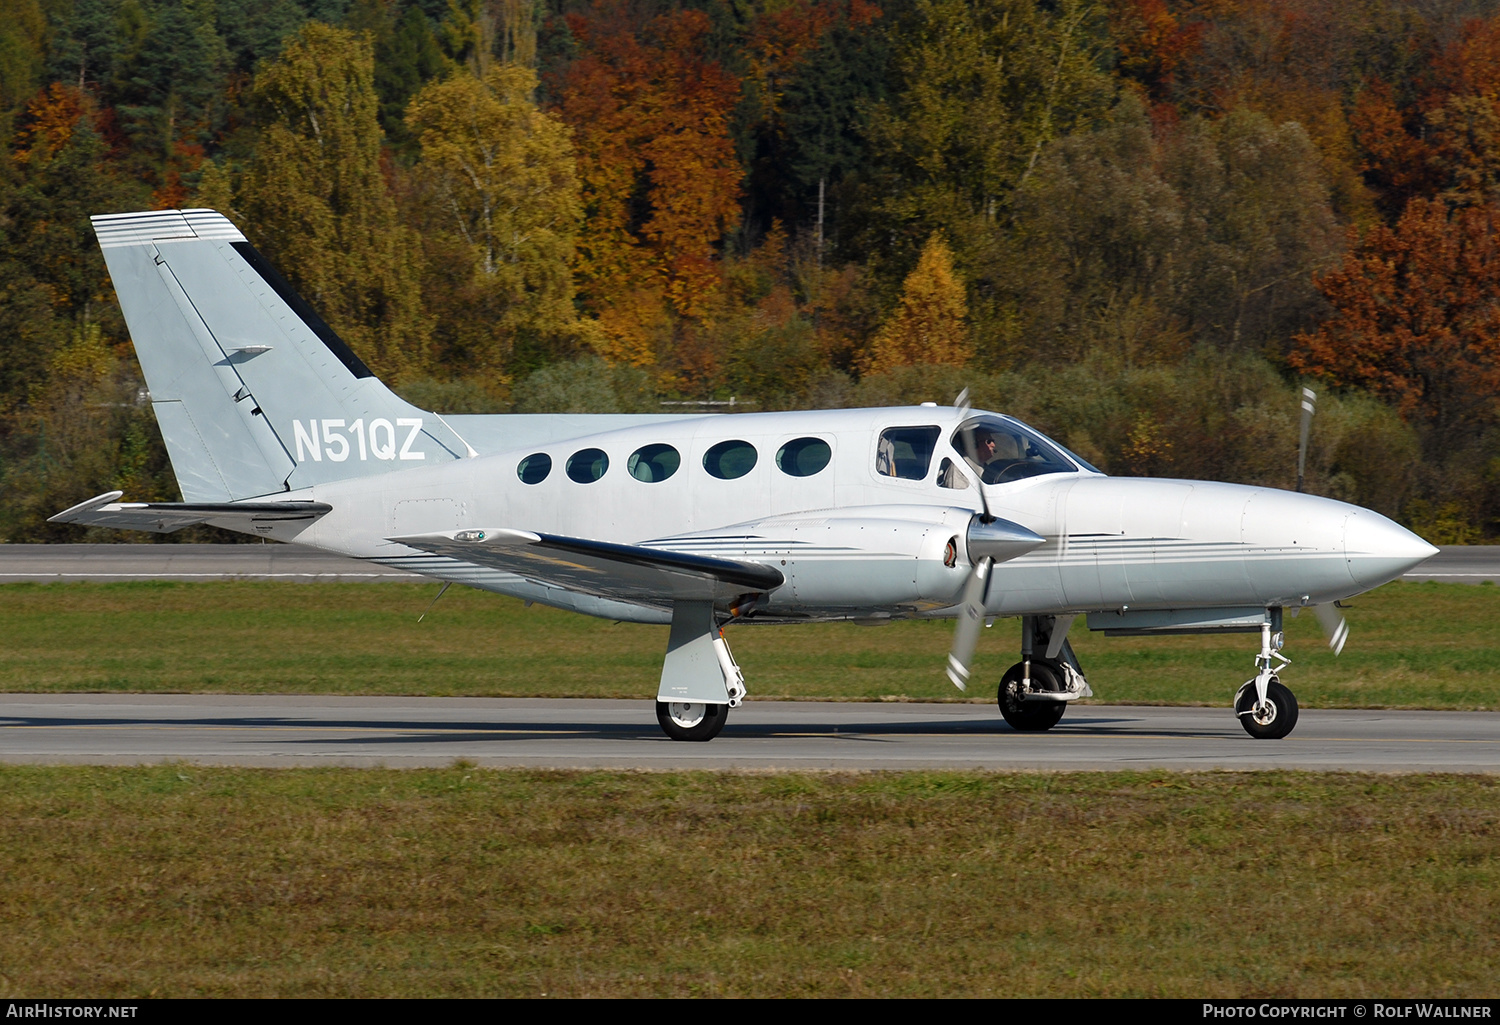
point(186, 881)
point(1412, 645)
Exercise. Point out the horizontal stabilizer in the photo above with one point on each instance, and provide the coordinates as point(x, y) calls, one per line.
point(165, 517)
point(627, 573)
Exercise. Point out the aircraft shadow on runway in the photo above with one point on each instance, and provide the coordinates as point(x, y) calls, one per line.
point(386, 731)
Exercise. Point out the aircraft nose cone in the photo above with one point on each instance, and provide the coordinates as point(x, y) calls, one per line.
point(1379, 550)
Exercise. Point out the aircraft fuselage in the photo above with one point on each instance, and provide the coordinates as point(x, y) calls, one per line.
point(856, 543)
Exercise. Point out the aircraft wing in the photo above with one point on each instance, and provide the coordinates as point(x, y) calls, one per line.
point(165, 517)
point(627, 573)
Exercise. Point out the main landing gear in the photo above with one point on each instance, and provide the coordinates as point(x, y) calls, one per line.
point(691, 720)
point(1266, 709)
point(700, 681)
point(1034, 693)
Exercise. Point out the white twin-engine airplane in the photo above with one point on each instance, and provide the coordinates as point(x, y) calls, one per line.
point(275, 428)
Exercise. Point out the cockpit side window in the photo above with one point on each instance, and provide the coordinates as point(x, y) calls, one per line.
point(1001, 451)
point(950, 476)
point(906, 452)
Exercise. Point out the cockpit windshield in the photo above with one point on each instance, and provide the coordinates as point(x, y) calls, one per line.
point(1001, 450)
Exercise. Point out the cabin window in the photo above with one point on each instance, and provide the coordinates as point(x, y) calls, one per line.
point(729, 460)
point(1001, 451)
point(653, 463)
point(534, 468)
point(803, 457)
point(906, 452)
point(587, 465)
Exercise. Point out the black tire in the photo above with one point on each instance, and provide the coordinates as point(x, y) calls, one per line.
point(678, 721)
point(1031, 716)
point(1281, 719)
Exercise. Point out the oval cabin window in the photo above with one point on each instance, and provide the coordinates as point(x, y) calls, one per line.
point(534, 468)
point(803, 457)
point(587, 465)
point(653, 463)
point(729, 460)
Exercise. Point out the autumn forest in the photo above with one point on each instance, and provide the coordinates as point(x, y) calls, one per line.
point(1140, 225)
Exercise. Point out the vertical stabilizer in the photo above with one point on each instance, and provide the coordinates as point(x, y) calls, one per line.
point(254, 393)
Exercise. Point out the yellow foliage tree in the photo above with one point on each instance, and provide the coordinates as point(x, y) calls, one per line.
point(928, 324)
point(315, 200)
point(501, 212)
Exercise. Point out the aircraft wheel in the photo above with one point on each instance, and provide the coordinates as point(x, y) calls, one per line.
point(1278, 718)
point(1031, 716)
point(691, 720)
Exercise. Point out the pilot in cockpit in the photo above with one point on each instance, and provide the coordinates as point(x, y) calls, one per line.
point(985, 445)
point(993, 453)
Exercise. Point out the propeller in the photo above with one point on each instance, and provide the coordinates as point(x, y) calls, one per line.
point(970, 619)
point(1309, 404)
point(971, 452)
point(1329, 617)
point(1334, 626)
point(989, 540)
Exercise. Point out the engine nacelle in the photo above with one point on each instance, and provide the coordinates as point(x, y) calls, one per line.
point(898, 558)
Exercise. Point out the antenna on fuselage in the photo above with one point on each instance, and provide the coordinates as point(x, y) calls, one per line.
point(441, 591)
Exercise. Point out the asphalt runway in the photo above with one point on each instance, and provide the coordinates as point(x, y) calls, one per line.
point(586, 734)
point(1461, 564)
point(115, 563)
point(109, 563)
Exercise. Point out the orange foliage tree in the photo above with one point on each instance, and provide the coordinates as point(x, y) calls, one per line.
point(1396, 158)
point(51, 117)
point(650, 114)
point(1446, 139)
point(1417, 317)
point(1152, 42)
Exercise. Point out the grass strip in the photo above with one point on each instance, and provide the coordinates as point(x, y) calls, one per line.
point(188, 881)
point(1423, 645)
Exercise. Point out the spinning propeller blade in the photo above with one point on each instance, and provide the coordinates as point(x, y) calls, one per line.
point(971, 454)
point(990, 540)
point(970, 620)
point(1309, 404)
point(1333, 625)
point(971, 614)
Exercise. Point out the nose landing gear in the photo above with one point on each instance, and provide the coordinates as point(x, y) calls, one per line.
point(1265, 707)
point(1268, 720)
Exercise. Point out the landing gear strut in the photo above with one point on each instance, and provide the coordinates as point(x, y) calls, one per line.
point(1265, 707)
point(700, 681)
point(1034, 693)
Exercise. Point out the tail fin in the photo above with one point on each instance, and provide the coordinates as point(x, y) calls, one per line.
point(254, 393)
